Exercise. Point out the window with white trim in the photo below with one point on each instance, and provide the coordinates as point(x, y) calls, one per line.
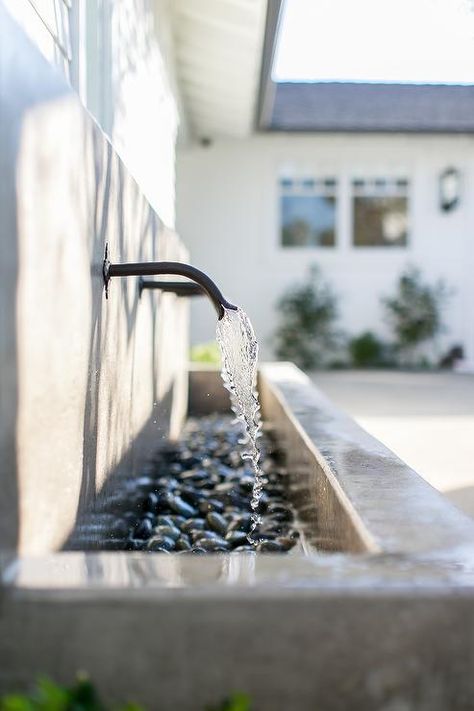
point(307, 212)
point(380, 212)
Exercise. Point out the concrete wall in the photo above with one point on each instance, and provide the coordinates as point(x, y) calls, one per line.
point(88, 386)
point(228, 213)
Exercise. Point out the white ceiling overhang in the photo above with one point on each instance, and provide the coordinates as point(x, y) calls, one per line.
point(219, 46)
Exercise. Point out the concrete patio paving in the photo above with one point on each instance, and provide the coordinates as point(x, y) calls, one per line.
point(425, 418)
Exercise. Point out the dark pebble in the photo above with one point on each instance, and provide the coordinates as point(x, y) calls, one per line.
point(241, 523)
point(160, 542)
point(237, 538)
point(143, 530)
point(213, 544)
point(207, 505)
point(193, 524)
point(217, 523)
point(165, 520)
point(182, 544)
point(154, 502)
point(196, 535)
point(190, 495)
point(168, 531)
point(180, 507)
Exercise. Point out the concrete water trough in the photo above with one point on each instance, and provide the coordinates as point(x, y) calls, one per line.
point(377, 613)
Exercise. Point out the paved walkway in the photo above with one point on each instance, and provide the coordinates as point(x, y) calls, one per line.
point(425, 418)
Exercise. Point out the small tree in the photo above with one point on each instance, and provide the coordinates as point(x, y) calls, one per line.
point(306, 329)
point(414, 313)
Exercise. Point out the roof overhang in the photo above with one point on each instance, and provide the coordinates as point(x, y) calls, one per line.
point(224, 53)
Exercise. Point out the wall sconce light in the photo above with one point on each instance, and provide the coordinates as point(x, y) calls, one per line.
point(449, 189)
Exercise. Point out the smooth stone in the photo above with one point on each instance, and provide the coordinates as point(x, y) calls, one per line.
point(270, 547)
point(165, 520)
point(165, 483)
point(237, 538)
point(213, 544)
point(241, 523)
point(158, 549)
point(193, 524)
point(168, 531)
point(206, 506)
point(242, 549)
point(196, 549)
point(133, 544)
point(182, 544)
point(177, 520)
point(190, 495)
point(161, 542)
point(143, 530)
point(180, 507)
point(217, 523)
point(196, 535)
point(154, 502)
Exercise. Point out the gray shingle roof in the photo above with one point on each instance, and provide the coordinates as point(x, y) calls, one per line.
point(334, 106)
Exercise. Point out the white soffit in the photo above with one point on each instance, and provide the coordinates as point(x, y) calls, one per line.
point(218, 53)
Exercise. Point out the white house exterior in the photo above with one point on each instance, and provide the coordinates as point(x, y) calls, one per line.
point(230, 214)
point(190, 80)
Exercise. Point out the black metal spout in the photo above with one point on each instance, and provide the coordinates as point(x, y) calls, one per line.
point(175, 268)
point(180, 288)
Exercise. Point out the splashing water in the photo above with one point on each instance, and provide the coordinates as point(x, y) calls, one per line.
point(239, 350)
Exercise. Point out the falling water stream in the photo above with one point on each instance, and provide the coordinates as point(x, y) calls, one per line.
point(239, 351)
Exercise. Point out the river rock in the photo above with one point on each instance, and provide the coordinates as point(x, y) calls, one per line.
point(217, 523)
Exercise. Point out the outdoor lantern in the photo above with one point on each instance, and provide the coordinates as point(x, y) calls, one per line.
point(449, 189)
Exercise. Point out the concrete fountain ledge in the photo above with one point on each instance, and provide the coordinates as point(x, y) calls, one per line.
point(377, 615)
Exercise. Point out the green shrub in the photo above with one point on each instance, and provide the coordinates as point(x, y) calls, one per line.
point(414, 313)
point(206, 353)
point(306, 333)
point(48, 696)
point(367, 351)
point(82, 696)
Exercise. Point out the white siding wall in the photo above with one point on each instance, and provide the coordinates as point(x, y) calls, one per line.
point(118, 55)
point(228, 214)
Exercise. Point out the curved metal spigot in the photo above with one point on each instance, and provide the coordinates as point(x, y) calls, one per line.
point(179, 288)
point(177, 268)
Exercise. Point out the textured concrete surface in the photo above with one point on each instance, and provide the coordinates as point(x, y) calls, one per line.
point(390, 505)
point(87, 384)
point(425, 418)
point(388, 629)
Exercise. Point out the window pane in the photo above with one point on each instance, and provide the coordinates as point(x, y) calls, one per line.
point(307, 221)
point(380, 221)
